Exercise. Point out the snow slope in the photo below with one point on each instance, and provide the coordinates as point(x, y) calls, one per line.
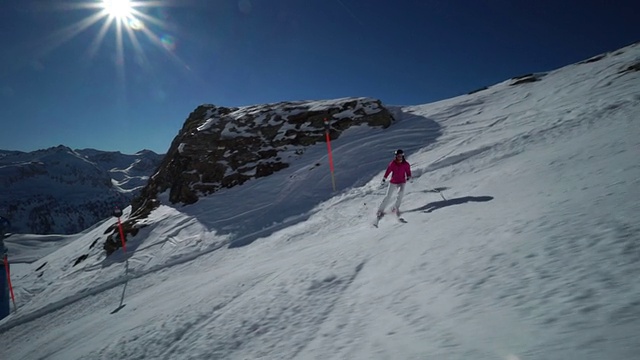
point(532, 251)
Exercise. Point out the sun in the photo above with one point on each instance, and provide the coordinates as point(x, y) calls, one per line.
point(130, 24)
point(129, 21)
point(118, 9)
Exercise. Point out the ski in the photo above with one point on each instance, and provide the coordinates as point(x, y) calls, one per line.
point(400, 218)
point(377, 220)
point(396, 212)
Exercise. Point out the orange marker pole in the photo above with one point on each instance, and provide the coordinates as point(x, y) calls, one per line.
point(6, 267)
point(117, 213)
point(326, 127)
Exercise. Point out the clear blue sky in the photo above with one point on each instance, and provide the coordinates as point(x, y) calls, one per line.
point(65, 90)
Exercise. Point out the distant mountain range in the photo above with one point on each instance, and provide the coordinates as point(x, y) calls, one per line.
point(64, 191)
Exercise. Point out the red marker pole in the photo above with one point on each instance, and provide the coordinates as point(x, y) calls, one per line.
point(326, 128)
point(124, 246)
point(6, 267)
point(117, 213)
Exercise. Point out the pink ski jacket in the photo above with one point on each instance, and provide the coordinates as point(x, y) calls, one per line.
point(401, 171)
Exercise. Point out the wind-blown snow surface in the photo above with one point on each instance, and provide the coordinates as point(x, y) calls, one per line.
point(535, 254)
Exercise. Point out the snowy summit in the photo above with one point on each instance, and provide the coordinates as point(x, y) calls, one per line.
point(521, 242)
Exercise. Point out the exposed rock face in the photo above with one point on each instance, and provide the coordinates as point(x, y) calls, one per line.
point(523, 79)
point(632, 68)
point(221, 147)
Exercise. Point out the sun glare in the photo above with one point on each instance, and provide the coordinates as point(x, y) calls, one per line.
point(118, 9)
point(130, 21)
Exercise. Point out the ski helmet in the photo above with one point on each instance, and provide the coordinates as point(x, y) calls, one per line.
point(399, 152)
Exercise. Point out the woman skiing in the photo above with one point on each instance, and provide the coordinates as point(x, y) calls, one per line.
point(401, 172)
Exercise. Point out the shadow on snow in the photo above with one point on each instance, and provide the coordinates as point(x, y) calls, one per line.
point(357, 161)
point(433, 206)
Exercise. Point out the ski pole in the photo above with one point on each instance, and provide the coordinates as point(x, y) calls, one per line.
point(6, 266)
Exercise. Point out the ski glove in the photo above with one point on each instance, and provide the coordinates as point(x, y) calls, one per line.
point(383, 183)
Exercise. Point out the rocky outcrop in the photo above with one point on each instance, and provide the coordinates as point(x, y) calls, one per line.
point(631, 68)
point(220, 147)
point(593, 59)
point(523, 79)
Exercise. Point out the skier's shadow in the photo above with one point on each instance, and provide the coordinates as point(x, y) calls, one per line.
point(433, 206)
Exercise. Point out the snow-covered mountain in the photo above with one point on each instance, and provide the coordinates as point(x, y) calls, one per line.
point(64, 191)
point(531, 251)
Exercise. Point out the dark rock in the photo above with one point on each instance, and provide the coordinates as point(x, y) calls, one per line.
point(220, 147)
point(523, 79)
point(631, 68)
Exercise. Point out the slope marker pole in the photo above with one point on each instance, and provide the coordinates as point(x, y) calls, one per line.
point(6, 267)
point(326, 128)
point(117, 213)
